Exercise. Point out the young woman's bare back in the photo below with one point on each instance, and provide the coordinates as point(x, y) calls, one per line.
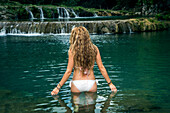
point(77, 75)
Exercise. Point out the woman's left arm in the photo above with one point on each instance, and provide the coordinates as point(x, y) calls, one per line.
point(66, 74)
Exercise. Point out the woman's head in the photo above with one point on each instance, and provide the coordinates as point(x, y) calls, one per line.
point(82, 47)
point(79, 33)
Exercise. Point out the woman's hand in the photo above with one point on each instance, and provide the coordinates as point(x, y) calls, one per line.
point(113, 88)
point(55, 91)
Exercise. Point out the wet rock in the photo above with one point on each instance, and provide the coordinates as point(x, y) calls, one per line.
point(103, 13)
point(83, 13)
point(104, 30)
point(4, 92)
point(115, 13)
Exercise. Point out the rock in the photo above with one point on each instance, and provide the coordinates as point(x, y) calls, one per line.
point(137, 13)
point(109, 14)
point(104, 30)
point(115, 13)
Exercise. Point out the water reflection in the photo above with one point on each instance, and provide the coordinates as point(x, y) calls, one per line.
point(84, 102)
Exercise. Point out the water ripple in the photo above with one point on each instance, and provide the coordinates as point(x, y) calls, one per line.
point(138, 66)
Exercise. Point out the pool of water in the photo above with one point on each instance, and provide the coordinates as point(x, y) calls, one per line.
point(138, 64)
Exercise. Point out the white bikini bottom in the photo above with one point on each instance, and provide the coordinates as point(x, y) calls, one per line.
point(83, 85)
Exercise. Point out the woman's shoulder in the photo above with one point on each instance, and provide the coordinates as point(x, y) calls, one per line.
point(96, 47)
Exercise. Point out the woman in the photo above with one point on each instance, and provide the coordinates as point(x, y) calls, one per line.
point(82, 56)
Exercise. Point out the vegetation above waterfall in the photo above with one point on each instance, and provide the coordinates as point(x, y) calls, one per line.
point(101, 4)
point(16, 9)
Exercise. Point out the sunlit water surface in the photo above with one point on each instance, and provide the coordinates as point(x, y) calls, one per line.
point(138, 64)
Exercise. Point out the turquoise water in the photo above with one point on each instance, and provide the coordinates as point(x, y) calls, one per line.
point(137, 63)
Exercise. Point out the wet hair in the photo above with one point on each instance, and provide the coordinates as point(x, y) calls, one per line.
point(82, 47)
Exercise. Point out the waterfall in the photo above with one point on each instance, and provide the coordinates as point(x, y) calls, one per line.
point(3, 31)
point(63, 13)
point(66, 13)
point(31, 14)
point(74, 13)
point(95, 15)
point(94, 27)
point(63, 31)
point(130, 30)
point(58, 9)
point(41, 13)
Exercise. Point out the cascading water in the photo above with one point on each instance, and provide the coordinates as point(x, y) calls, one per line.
point(130, 30)
point(32, 28)
point(41, 13)
point(66, 13)
point(94, 27)
point(31, 14)
point(74, 13)
point(58, 9)
point(95, 15)
point(63, 13)
point(3, 31)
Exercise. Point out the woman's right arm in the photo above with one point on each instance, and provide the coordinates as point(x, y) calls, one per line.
point(66, 74)
point(103, 70)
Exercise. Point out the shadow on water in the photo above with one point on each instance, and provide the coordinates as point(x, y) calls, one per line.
point(83, 102)
point(123, 101)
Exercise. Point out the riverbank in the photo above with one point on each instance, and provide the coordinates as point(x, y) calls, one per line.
point(12, 10)
point(94, 27)
point(19, 12)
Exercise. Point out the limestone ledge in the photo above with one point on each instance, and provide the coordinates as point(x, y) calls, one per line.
point(94, 27)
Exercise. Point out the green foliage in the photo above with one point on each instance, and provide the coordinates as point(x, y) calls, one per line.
point(130, 5)
point(123, 11)
point(153, 20)
point(10, 3)
point(125, 4)
point(22, 13)
point(47, 12)
point(163, 16)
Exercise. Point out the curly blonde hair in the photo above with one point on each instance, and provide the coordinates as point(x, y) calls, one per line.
point(82, 47)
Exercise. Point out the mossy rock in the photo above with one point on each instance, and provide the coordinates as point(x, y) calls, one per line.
point(54, 13)
point(104, 30)
point(70, 12)
point(120, 27)
point(103, 13)
point(4, 92)
point(83, 13)
point(22, 13)
point(48, 12)
point(35, 11)
point(115, 13)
